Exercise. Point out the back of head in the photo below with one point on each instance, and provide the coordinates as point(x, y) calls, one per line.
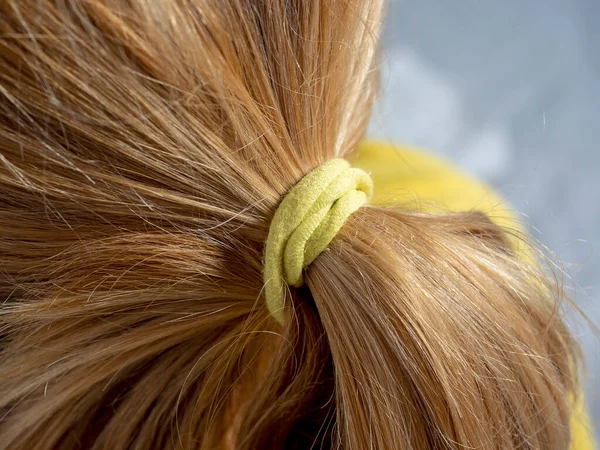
point(144, 148)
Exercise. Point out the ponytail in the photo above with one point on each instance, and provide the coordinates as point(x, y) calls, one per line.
point(145, 147)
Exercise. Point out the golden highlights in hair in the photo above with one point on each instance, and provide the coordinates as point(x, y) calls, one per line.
point(145, 146)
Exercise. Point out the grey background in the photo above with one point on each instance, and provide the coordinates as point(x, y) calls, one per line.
point(510, 91)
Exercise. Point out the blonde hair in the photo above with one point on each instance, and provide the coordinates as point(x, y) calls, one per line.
point(145, 145)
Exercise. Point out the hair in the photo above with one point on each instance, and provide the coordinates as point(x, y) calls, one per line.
point(144, 148)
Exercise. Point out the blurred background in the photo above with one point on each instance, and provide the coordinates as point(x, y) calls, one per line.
point(509, 90)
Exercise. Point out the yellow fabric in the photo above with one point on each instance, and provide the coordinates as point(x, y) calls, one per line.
point(420, 181)
point(306, 221)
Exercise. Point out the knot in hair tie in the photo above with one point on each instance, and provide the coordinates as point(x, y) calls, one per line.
point(306, 221)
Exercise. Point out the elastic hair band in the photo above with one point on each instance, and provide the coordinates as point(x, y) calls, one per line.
point(306, 221)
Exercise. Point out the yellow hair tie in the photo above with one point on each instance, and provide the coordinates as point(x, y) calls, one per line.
point(306, 221)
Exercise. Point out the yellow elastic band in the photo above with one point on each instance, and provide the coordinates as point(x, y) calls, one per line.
point(306, 221)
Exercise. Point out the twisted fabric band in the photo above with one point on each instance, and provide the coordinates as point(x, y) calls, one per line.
point(306, 221)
